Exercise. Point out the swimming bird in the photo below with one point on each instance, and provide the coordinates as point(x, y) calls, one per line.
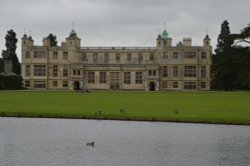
point(90, 144)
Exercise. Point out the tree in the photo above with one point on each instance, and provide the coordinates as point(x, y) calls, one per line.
point(219, 69)
point(244, 36)
point(52, 39)
point(10, 82)
point(10, 52)
point(1, 65)
point(231, 63)
point(224, 40)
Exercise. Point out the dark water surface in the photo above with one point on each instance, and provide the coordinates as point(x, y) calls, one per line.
point(61, 142)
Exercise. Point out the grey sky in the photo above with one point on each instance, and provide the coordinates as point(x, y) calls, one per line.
point(121, 22)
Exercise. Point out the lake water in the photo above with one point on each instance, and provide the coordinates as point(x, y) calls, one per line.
point(62, 142)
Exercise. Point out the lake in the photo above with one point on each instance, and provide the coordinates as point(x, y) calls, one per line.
point(62, 142)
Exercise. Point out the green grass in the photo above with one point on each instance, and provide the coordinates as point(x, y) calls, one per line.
point(200, 107)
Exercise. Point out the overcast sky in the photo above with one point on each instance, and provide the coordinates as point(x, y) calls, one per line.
point(121, 22)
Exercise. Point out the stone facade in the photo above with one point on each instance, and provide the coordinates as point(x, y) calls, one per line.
point(70, 66)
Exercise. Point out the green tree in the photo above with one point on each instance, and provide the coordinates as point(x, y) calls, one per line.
point(52, 39)
point(10, 82)
point(231, 62)
point(243, 36)
point(220, 70)
point(1, 65)
point(224, 40)
point(10, 52)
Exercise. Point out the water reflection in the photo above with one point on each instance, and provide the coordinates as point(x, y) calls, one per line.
point(57, 142)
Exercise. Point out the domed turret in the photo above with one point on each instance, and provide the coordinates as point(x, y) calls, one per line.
point(73, 34)
point(27, 41)
point(164, 34)
point(163, 40)
point(206, 41)
point(73, 39)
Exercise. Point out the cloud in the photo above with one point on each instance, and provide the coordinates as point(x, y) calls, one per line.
point(119, 22)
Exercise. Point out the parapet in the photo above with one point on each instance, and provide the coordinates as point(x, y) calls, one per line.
point(187, 41)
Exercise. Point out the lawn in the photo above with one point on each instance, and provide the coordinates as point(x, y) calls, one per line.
point(201, 107)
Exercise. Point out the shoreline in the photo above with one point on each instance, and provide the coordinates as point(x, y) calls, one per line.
point(131, 119)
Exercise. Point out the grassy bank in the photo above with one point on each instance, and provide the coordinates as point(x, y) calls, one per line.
point(200, 107)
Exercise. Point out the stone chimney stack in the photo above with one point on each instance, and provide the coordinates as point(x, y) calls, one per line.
point(8, 66)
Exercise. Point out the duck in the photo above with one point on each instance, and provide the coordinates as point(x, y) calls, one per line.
point(90, 144)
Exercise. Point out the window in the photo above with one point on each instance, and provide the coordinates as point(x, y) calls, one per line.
point(164, 84)
point(27, 54)
point(27, 70)
point(39, 54)
point(189, 71)
point(203, 72)
point(203, 55)
point(65, 55)
point(138, 77)
point(165, 55)
point(203, 84)
point(140, 57)
point(150, 72)
point(175, 84)
point(39, 84)
point(106, 57)
point(175, 55)
point(65, 71)
point(76, 72)
point(175, 72)
point(91, 77)
point(39, 70)
point(129, 57)
point(114, 80)
point(189, 85)
point(95, 57)
point(65, 84)
point(55, 70)
point(55, 83)
point(151, 57)
point(27, 83)
point(127, 78)
point(55, 55)
point(165, 42)
point(165, 71)
point(102, 77)
point(84, 57)
point(190, 55)
point(117, 57)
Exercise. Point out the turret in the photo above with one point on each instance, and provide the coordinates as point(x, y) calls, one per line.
point(27, 41)
point(73, 39)
point(206, 41)
point(163, 40)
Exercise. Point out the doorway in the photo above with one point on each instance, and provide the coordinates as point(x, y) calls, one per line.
point(76, 85)
point(152, 86)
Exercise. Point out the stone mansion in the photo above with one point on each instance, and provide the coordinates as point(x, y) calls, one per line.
point(70, 66)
